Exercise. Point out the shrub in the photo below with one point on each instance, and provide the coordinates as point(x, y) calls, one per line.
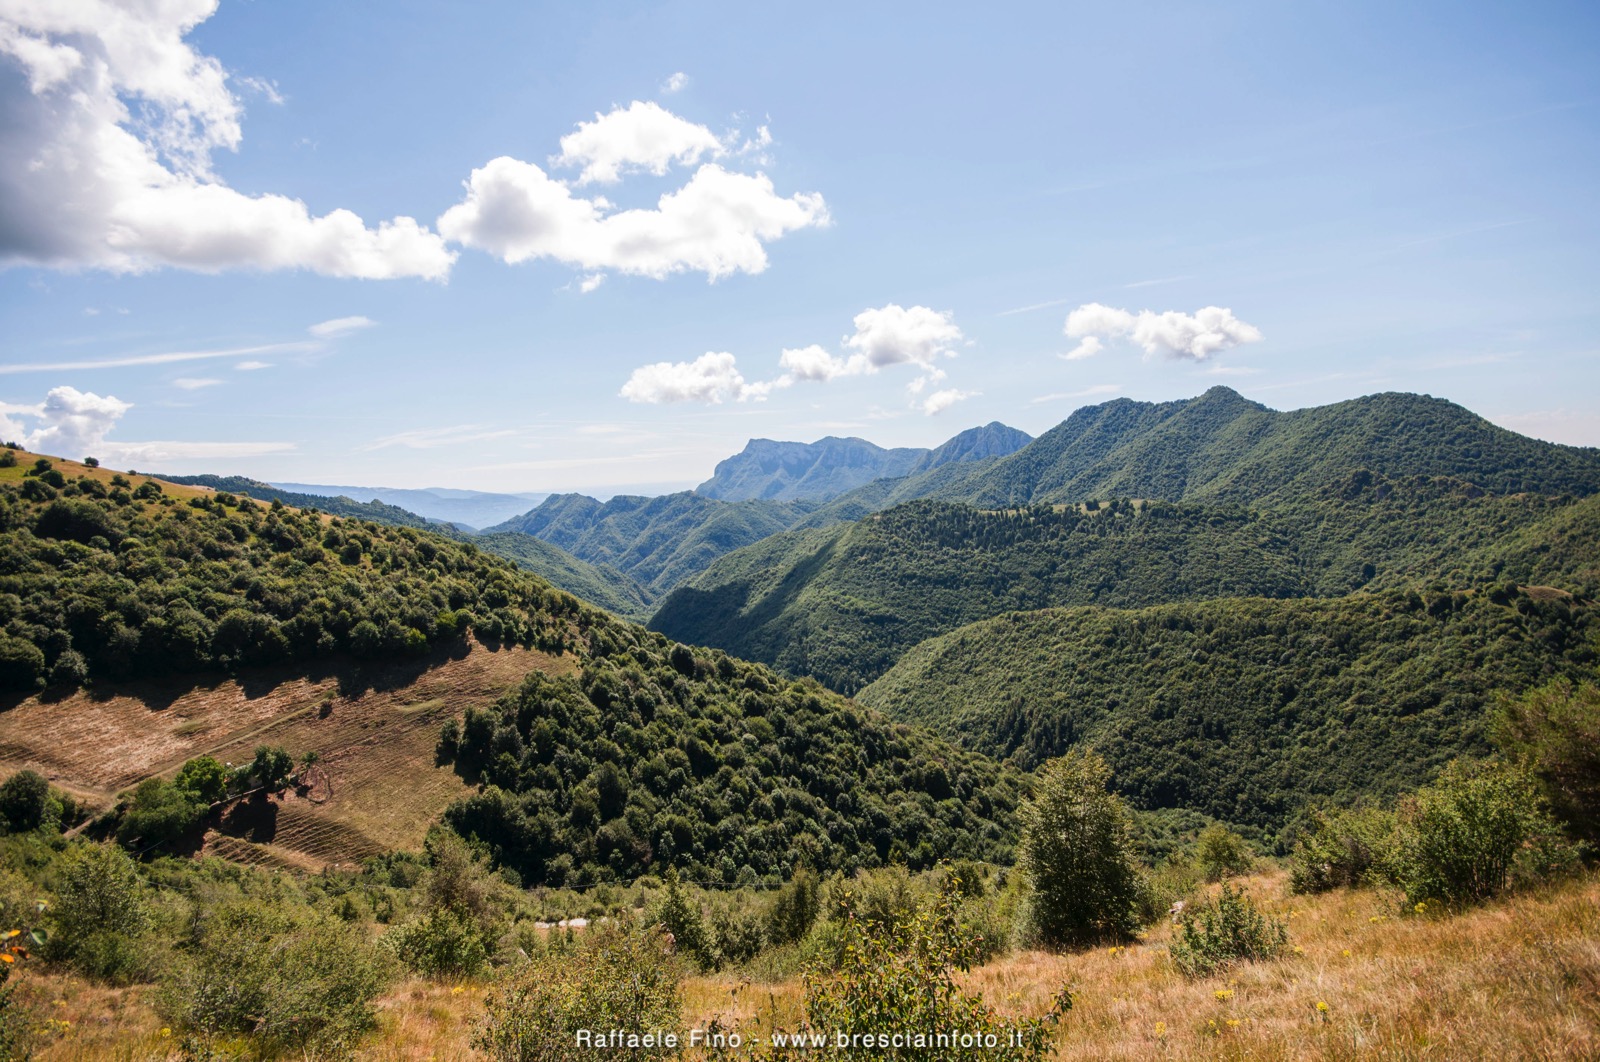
point(1175, 879)
point(1224, 931)
point(99, 916)
point(289, 980)
point(1077, 855)
point(1554, 731)
point(442, 943)
point(620, 977)
point(1221, 853)
point(158, 813)
point(25, 803)
point(1343, 849)
point(678, 913)
point(795, 909)
point(21, 665)
point(902, 981)
point(204, 779)
point(1477, 831)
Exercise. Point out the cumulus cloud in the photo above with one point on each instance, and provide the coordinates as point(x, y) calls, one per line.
point(110, 120)
point(887, 336)
point(940, 401)
point(642, 136)
point(74, 424)
point(340, 326)
point(715, 224)
point(1195, 337)
point(713, 378)
point(676, 83)
point(894, 335)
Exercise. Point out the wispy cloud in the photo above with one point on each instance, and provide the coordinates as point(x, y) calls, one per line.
point(1088, 392)
point(192, 383)
point(434, 438)
point(340, 326)
point(252, 366)
point(167, 358)
point(1153, 283)
point(1034, 306)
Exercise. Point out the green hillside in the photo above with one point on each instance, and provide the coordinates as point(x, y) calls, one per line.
point(376, 511)
point(1246, 709)
point(648, 755)
point(659, 542)
point(595, 583)
point(843, 603)
point(1222, 447)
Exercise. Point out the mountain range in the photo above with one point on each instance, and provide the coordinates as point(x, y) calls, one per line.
point(467, 509)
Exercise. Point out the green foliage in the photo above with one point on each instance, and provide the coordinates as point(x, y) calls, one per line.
point(124, 585)
point(26, 804)
point(658, 756)
point(598, 584)
point(272, 767)
point(1077, 855)
point(1554, 731)
point(844, 604)
point(896, 984)
point(795, 909)
point(159, 812)
point(1224, 931)
point(442, 943)
point(678, 914)
point(1221, 853)
point(204, 779)
point(1476, 832)
point(1343, 848)
point(99, 918)
point(1247, 710)
point(620, 977)
point(287, 979)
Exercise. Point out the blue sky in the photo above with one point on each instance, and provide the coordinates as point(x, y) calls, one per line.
point(623, 216)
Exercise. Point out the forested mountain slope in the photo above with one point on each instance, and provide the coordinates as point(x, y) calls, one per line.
point(1222, 447)
point(642, 754)
point(843, 603)
point(657, 541)
point(1247, 709)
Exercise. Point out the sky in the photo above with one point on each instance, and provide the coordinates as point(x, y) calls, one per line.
point(538, 247)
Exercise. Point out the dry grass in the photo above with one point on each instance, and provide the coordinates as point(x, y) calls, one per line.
point(1514, 980)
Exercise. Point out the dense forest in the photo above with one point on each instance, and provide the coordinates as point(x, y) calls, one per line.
point(843, 604)
point(111, 580)
point(1247, 709)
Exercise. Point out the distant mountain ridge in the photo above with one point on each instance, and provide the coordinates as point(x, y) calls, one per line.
point(468, 508)
point(822, 470)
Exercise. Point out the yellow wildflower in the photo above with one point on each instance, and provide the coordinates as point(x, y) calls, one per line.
point(1322, 1007)
point(1161, 1028)
point(1223, 994)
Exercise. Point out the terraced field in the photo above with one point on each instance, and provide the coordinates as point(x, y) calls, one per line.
point(374, 728)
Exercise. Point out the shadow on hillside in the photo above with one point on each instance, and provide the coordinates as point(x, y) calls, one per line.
point(254, 819)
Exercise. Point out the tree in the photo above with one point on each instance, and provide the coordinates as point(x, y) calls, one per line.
point(99, 913)
point(203, 779)
point(1221, 852)
point(25, 802)
point(1077, 854)
point(1555, 732)
point(272, 767)
point(159, 812)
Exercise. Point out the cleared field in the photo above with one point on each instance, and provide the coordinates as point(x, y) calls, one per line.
point(375, 729)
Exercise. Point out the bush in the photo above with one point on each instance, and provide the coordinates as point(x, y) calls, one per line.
point(1343, 849)
point(25, 803)
point(158, 813)
point(289, 980)
point(1221, 853)
point(203, 779)
point(902, 981)
point(795, 909)
point(1224, 931)
point(620, 977)
point(442, 943)
point(678, 914)
point(21, 665)
point(1477, 831)
point(99, 918)
point(1077, 855)
point(1554, 732)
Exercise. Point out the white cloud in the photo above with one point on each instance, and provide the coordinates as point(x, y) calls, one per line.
point(263, 87)
point(940, 401)
point(712, 377)
point(1196, 336)
point(893, 335)
point(193, 383)
point(72, 423)
point(717, 223)
point(433, 438)
point(1088, 392)
point(108, 156)
point(676, 83)
point(591, 282)
point(340, 326)
point(1088, 348)
point(641, 136)
point(252, 366)
point(812, 363)
point(165, 358)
